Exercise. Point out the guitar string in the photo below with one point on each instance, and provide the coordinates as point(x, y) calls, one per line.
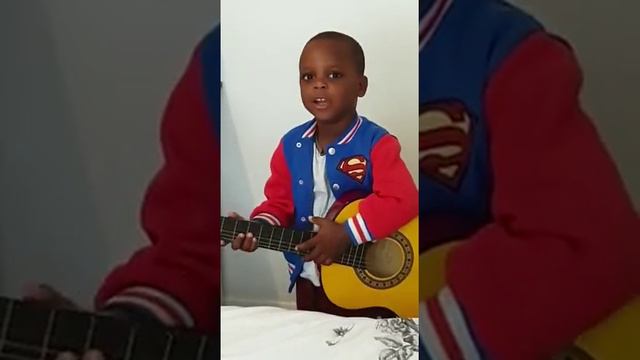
point(348, 258)
point(358, 260)
point(18, 357)
point(39, 350)
point(351, 259)
point(44, 350)
point(22, 346)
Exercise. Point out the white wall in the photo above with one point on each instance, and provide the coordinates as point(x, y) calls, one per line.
point(82, 87)
point(605, 36)
point(261, 44)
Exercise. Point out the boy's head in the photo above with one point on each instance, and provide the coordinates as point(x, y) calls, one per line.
point(332, 76)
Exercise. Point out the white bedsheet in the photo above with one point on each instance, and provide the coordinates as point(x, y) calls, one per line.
point(276, 333)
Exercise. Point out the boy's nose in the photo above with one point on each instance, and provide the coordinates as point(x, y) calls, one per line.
point(320, 85)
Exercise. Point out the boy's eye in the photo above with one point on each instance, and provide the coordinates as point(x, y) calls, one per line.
point(306, 77)
point(335, 75)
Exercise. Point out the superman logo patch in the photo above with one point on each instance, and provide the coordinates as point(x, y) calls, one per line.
point(354, 167)
point(445, 133)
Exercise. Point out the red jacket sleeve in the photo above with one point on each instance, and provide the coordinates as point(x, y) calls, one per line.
point(394, 200)
point(278, 208)
point(562, 253)
point(177, 277)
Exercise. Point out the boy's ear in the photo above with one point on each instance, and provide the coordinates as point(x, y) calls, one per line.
point(364, 82)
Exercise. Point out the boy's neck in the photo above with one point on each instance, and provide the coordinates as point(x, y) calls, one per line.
point(328, 132)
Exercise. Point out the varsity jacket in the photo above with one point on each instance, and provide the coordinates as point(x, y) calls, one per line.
point(176, 278)
point(365, 160)
point(513, 169)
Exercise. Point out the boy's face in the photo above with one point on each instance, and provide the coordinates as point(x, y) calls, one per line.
point(330, 83)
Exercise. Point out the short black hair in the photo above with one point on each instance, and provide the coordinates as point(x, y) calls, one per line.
point(354, 46)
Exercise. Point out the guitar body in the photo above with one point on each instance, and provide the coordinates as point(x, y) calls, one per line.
point(616, 338)
point(390, 279)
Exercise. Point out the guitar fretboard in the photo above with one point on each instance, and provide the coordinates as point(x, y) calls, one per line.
point(30, 332)
point(283, 239)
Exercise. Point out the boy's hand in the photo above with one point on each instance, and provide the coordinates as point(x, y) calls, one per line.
point(244, 242)
point(329, 243)
point(47, 296)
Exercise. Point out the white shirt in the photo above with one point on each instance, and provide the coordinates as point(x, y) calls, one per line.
point(323, 199)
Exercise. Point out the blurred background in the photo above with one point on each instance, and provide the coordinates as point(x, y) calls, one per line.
point(83, 84)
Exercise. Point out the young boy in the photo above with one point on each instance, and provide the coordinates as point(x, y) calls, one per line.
point(336, 153)
point(513, 171)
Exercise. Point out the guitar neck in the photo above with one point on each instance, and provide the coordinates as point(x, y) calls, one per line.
point(29, 331)
point(283, 239)
point(267, 236)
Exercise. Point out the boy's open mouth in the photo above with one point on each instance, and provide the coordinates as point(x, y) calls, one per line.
point(320, 102)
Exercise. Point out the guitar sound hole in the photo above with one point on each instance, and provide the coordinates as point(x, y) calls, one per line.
point(384, 259)
point(388, 262)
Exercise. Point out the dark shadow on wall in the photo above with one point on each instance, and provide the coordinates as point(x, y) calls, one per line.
point(49, 226)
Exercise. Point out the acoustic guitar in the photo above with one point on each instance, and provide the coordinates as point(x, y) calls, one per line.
point(615, 338)
point(32, 332)
point(383, 273)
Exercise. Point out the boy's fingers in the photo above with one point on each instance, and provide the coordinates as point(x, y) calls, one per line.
point(307, 245)
point(320, 259)
point(34, 292)
point(313, 255)
point(318, 220)
point(249, 243)
point(45, 294)
point(235, 215)
point(237, 242)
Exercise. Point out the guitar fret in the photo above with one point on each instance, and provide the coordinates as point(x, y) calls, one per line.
point(130, 342)
point(280, 240)
point(344, 257)
point(5, 324)
point(355, 257)
point(89, 339)
point(47, 334)
point(235, 228)
point(203, 343)
point(361, 256)
point(222, 222)
point(350, 256)
point(260, 232)
point(273, 229)
point(167, 349)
